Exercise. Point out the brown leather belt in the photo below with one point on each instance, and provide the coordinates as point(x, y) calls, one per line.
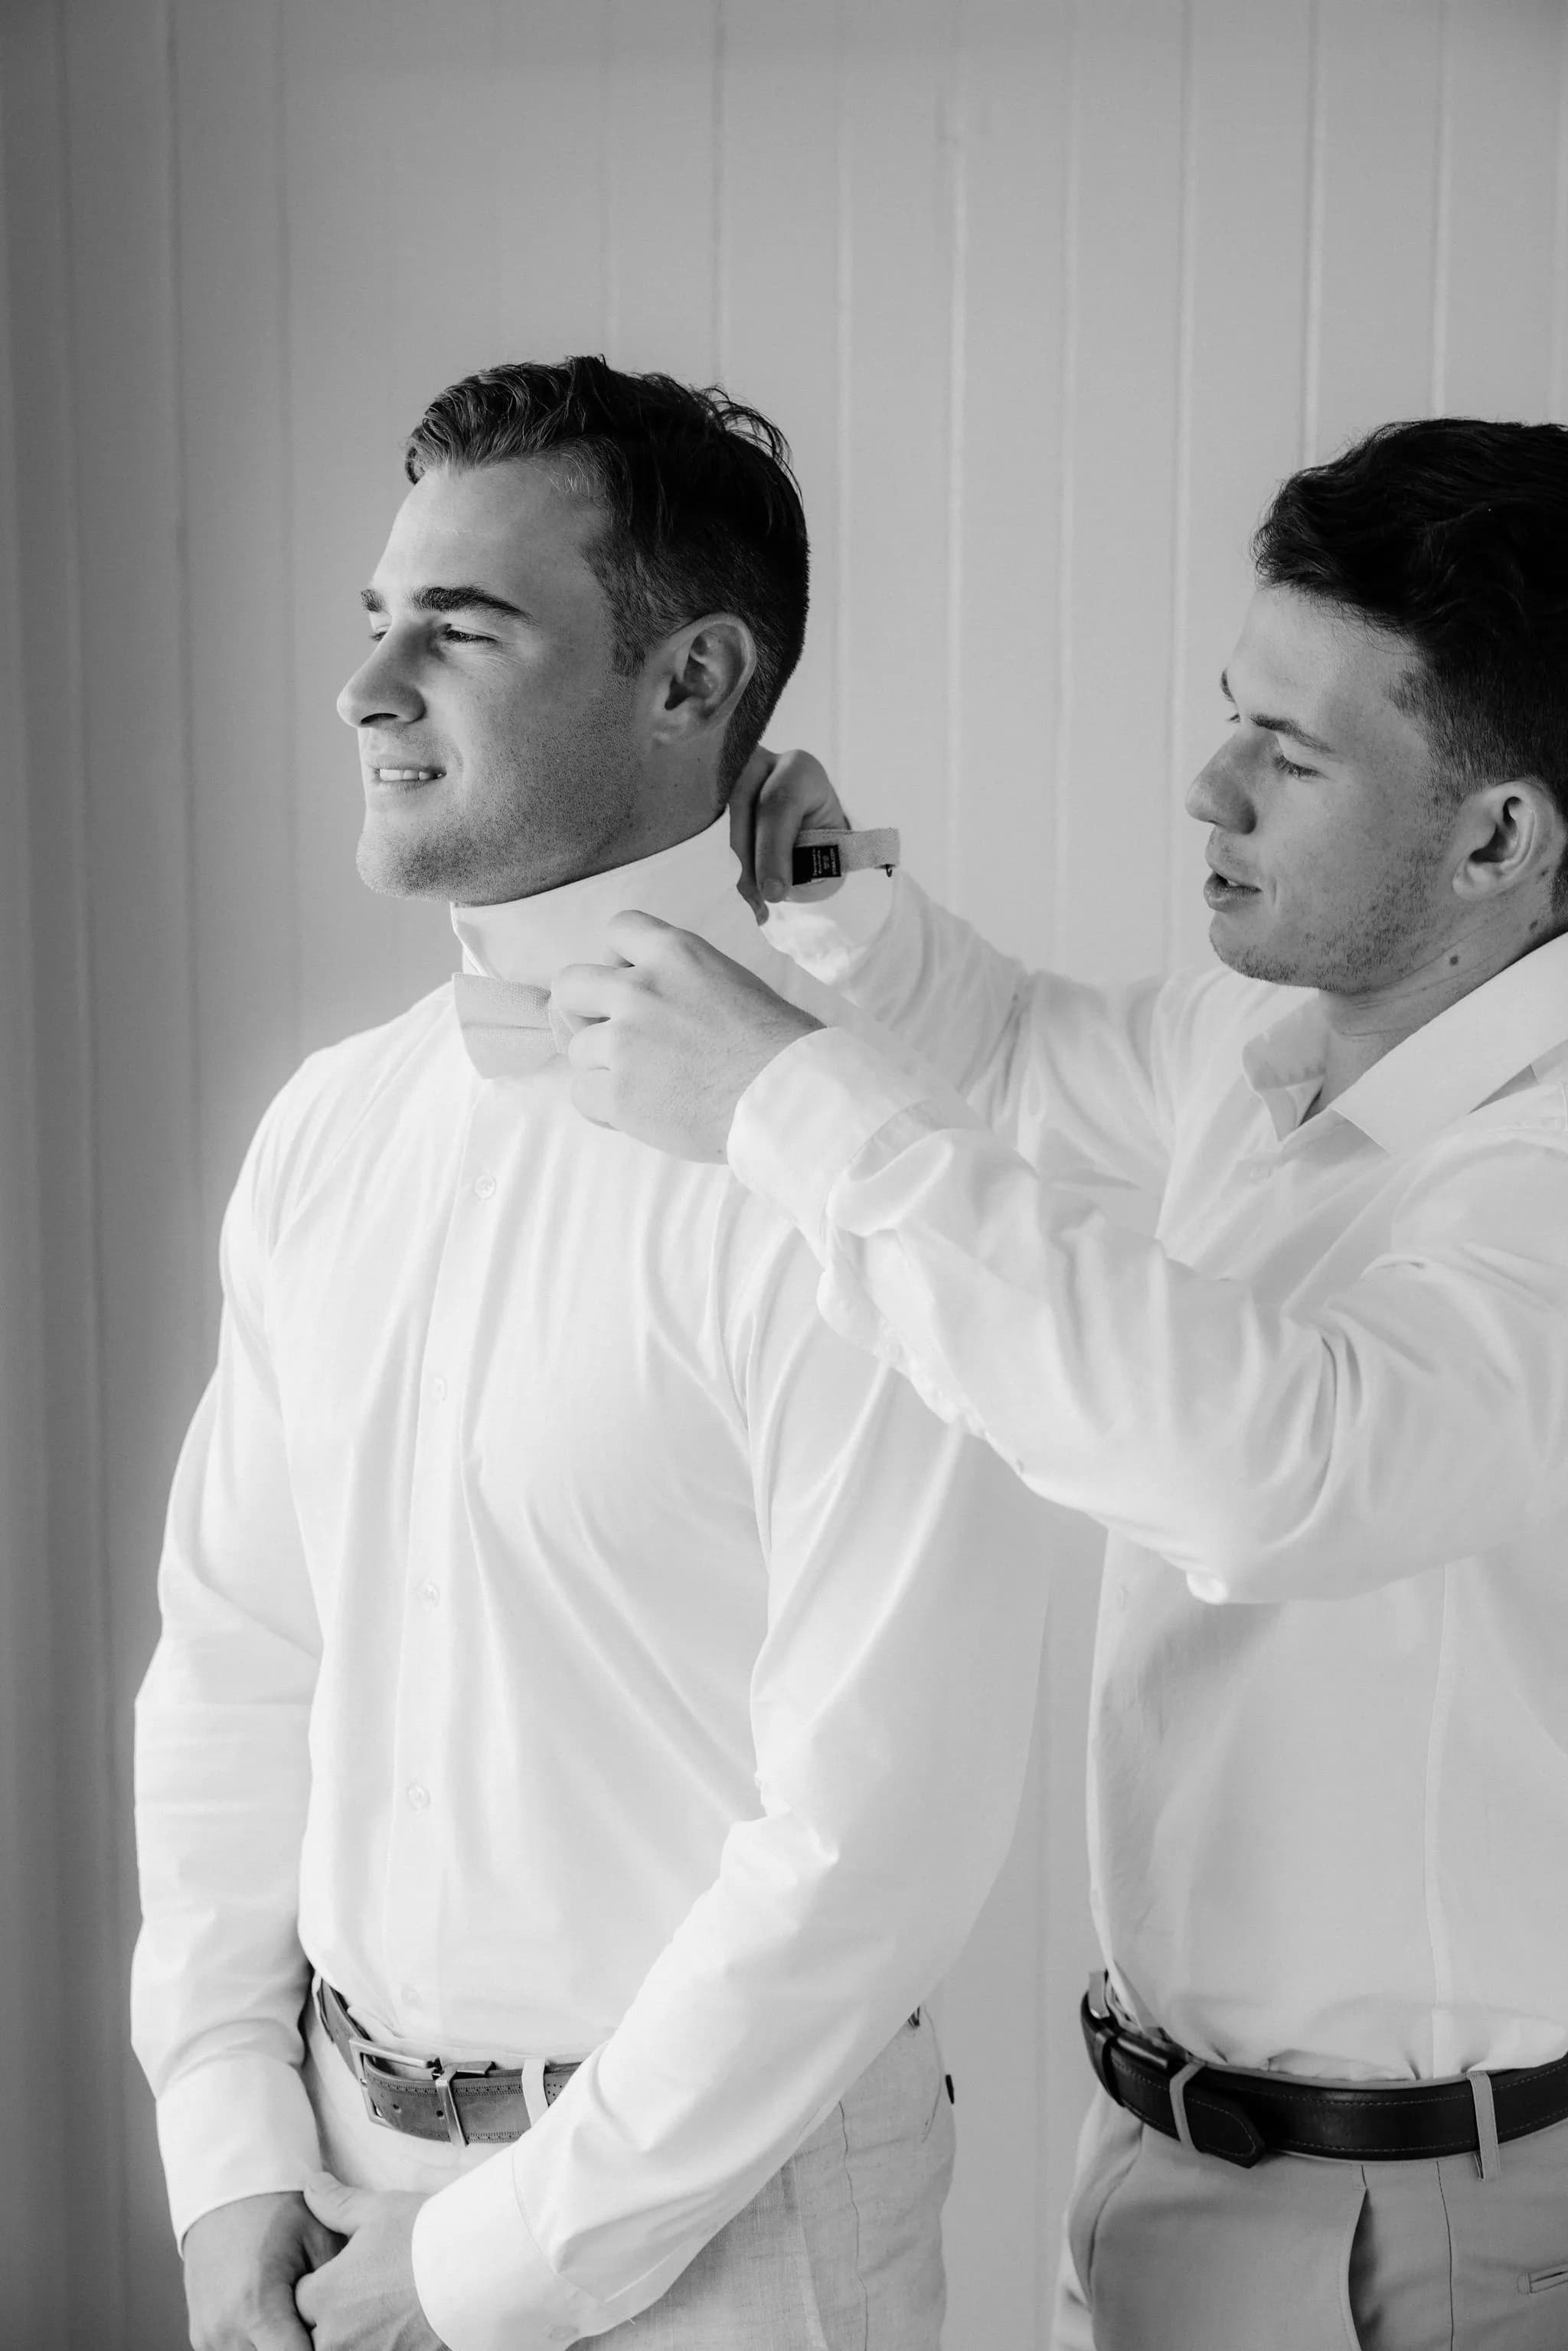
point(427, 2098)
point(1241, 2116)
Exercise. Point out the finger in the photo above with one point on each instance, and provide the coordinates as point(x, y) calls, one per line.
point(798, 794)
point(321, 2244)
point(742, 821)
point(281, 2334)
point(342, 2208)
point(637, 935)
point(588, 1048)
point(591, 1095)
point(592, 991)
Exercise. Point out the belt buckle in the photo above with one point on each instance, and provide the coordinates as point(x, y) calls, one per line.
point(428, 2073)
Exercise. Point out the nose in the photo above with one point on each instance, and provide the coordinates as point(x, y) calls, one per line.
point(380, 688)
point(1219, 794)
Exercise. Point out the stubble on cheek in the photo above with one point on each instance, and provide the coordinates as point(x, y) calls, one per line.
point(1345, 948)
point(544, 810)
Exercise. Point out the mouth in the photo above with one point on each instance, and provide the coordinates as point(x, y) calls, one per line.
point(1223, 894)
point(395, 776)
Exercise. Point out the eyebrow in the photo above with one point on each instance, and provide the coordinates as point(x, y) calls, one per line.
point(1290, 726)
point(464, 599)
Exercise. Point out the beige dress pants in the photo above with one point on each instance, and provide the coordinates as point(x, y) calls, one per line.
point(1169, 2250)
point(841, 2251)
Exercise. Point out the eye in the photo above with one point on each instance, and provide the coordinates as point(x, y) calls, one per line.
point(463, 637)
point(376, 636)
point(1285, 766)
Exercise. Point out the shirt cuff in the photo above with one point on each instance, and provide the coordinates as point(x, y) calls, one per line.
point(828, 934)
point(482, 2281)
point(806, 1117)
point(236, 2127)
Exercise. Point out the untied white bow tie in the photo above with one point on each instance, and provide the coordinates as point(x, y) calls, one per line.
point(507, 1026)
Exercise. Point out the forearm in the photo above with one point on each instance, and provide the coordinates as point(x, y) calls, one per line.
point(924, 974)
point(1067, 1074)
point(1266, 1454)
point(218, 1978)
point(777, 1991)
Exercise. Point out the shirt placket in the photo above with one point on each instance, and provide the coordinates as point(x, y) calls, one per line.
point(437, 1587)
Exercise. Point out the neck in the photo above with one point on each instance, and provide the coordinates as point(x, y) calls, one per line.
point(1365, 1025)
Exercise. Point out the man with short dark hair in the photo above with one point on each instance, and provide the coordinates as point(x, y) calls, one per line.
point(588, 1686)
point(1323, 1412)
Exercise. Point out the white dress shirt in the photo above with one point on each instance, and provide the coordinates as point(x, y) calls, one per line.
point(570, 1646)
point(1326, 1826)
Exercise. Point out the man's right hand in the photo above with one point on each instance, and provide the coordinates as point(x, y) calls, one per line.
point(778, 796)
point(243, 2261)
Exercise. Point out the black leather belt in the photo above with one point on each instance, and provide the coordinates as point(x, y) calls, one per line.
point(1241, 2116)
point(425, 2097)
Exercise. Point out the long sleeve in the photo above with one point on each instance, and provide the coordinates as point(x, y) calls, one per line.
point(222, 1784)
point(890, 1706)
point(1072, 1076)
point(1268, 1452)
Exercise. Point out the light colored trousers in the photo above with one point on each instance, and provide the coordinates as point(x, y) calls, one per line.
point(841, 2251)
point(1178, 2251)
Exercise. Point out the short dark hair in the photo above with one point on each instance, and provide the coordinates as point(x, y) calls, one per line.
point(1453, 533)
point(702, 511)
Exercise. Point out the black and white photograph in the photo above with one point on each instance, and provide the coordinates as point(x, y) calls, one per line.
point(784, 1175)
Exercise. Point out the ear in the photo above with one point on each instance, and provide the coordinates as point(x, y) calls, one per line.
point(699, 675)
point(1511, 836)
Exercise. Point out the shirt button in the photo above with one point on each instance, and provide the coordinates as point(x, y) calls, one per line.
point(418, 1795)
point(431, 1595)
point(409, 1995)
point(439, 1389)
point(485, 1188)
point(563, 2335)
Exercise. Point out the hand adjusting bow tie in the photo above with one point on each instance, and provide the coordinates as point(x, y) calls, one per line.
point(506, 1025)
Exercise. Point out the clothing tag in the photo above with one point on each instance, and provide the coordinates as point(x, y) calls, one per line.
point(829, 856)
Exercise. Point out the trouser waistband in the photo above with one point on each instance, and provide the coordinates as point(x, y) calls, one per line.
point(1241, 2116)
point(434, 2097)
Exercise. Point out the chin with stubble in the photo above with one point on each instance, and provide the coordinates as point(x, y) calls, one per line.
point(526, 832)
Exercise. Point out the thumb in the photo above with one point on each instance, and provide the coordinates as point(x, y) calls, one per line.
point(342, 2208)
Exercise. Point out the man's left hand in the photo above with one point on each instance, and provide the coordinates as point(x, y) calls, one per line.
point(364, 2298)
point(670, 1037)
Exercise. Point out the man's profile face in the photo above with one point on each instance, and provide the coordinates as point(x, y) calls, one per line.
point(497, 743)
point(1328, 827)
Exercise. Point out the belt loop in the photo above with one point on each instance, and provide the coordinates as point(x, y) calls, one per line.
point(1488, 2153)
point(1178, 2102)
point(534, 2098)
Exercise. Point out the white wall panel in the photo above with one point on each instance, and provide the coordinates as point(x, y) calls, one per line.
point(896, 450)
point(662, 229)
point(544, 233)
point(1047, 298)
point(1501, 104)
point(1241, 382)
point(232, 394)
point(1011, 101)
point(1376, 217)
point(779, 292)
point(1128, 134)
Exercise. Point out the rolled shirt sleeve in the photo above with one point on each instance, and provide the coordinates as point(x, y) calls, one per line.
point(1267, 1454)
point(890, 1706)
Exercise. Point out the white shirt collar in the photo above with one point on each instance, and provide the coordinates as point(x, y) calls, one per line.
point(692, 885)
point(1451, 1065)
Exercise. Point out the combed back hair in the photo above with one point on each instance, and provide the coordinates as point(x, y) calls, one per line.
point(702, 513)
point(1453, 534)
